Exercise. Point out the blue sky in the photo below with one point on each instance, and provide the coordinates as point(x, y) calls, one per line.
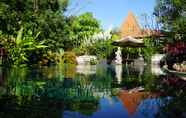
point(113, 12)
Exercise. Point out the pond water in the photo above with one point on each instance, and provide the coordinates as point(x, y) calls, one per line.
point(101, 91)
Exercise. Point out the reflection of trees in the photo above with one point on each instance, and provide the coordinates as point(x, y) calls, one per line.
point(86, 107)
point(42, 108)
point(34, 108)
point(44, 73)
point(132, 77)
point(82, 87)
point(3, 75)
point(169, 84)
point(175, 108)
point(26, 93)
point(174, 87)
point(39, 90)
point(69, 71)
point(172, 91)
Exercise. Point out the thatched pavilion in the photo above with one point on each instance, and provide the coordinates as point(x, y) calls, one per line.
point(132, 34)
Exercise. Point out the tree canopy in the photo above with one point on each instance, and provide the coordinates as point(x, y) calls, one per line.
point(57, 30)
point(172, 15)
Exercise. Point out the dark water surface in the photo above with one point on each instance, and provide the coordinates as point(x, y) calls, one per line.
point(100, 91)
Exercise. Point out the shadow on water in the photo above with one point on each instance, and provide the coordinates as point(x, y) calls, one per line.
point(90, 91)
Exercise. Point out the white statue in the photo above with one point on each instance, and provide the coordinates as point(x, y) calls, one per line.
point(118, 59)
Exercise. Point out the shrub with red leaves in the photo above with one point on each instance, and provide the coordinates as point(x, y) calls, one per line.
point(178, 48)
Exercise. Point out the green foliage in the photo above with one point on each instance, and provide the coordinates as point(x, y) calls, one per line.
point(44, 16)
point(22, 45)
point(69, 58)
point(101, 46)
point(171, 13)
point(130, 53)
point(147, 51)
point(150, 49)
point(49, 57)
point(102, 49)
point(83, 28)
point(15, 13)
point(46, 21)
point(79, 51)
point(93, 62)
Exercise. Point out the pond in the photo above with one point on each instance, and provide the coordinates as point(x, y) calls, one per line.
point(100, 91)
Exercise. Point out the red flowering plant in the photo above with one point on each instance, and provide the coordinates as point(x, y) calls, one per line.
point(175, 53)
point(175, 49)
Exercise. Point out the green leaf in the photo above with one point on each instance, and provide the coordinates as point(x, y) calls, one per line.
point(28, 43)
point(19, 36)
point(41, 46)
point(37, 35)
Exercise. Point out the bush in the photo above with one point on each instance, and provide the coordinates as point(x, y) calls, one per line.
point(49, 58)
point(79, 51)
point(93, 62)
point(102, 49)
point(69, 58)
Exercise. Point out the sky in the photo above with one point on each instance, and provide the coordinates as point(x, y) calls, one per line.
point(111, 13)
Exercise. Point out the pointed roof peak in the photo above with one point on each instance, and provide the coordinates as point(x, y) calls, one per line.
point(130, 13)
point(130, 26)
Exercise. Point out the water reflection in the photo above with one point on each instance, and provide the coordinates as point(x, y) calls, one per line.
point(86, 69)
point(135, 101)
point(118, 70)
point(95, 91)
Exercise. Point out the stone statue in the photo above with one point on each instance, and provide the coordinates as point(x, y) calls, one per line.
point(118, 59)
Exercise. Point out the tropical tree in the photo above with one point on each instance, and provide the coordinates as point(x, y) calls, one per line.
point(83, 28)
point(172, 14)
point(19, 48)
point(46, 17)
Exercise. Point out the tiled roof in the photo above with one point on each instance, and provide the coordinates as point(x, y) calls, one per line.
point(130, 27)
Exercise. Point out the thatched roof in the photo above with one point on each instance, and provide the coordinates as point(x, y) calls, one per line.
point(130, 26)
point(129, 42)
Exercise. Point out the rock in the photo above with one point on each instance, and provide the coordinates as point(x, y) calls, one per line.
point(85, 59)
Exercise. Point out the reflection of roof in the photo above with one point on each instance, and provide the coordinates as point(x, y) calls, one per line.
point(131, 100)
